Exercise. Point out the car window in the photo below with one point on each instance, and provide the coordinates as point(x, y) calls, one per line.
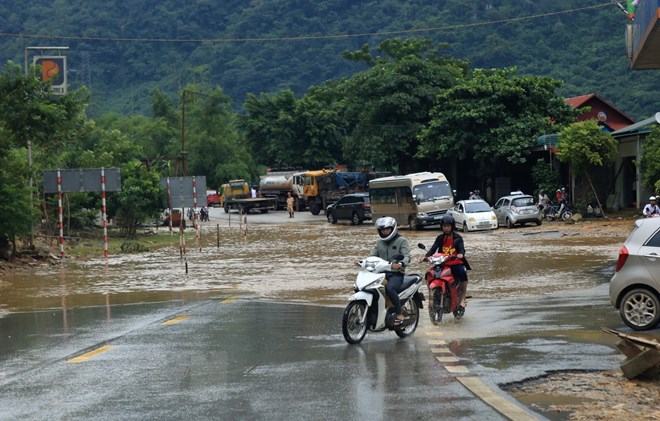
point(506, 202)
point(350, 200)
point(498, 204)
point(654, 241)
point(523, 201)
point(477, 207)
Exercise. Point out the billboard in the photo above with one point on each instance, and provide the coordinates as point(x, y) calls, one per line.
point(53, 69)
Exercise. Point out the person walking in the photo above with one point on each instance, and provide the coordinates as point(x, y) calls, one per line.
point(290, 202)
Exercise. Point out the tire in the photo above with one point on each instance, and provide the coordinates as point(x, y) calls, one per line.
point(539, 222)
point(331, 217)
point(411, 312)
point(436, 310)
point(640, 309)
point(509, 224)
point(567, 215)
point(465, 227)
point(263, 210)
point(353, 331)
point(226, 209)
point(412, 222)
point(355, 219)
point(314, 208)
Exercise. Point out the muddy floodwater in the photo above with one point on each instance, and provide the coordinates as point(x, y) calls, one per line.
point(305, 262)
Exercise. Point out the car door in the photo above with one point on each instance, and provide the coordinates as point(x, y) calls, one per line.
point(459, 214)
point(649, 253)
point(498, 210)
point(345, 208)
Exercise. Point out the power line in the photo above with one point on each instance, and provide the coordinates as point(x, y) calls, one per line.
point(303, 37)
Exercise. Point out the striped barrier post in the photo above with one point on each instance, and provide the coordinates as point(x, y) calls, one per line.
point(105, 215)
point(59, 211)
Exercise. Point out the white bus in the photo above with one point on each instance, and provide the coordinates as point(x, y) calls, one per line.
point(415, 199)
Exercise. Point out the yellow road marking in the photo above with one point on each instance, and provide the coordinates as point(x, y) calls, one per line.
point(229, 300)
point(457, 369)
point(437, 342)
point(494, 399)
point(441, 350)
point(447, 359)
point(90, 354)
point(175, 320)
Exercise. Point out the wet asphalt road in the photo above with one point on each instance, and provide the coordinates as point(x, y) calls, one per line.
point(240, 359)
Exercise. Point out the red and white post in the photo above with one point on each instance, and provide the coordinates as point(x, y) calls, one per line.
point(169, 202)
point(105, 215)
point(59, 211)
point(196, 225)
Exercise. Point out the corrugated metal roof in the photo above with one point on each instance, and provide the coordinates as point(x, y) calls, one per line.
point(643, 126)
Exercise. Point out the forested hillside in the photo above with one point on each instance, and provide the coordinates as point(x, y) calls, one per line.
point(122, 50)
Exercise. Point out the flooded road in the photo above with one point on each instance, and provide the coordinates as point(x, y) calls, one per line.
point(308, 260)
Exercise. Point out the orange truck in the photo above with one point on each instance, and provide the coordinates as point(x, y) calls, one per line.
point(235, 194)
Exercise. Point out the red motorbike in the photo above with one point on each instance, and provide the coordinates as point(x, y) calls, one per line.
point(444, 292)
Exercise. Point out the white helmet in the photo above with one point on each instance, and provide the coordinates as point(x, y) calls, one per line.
point(651, 198)
point(386, 222)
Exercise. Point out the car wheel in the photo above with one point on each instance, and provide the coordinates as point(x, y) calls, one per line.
point(640, 309)
point(412, 222)
point(331, 217)
point(539, 222)
point(465, 227)
point(355, 219)
point(509, 224)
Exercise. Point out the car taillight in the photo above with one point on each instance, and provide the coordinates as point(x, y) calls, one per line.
point(366, 206)
point(623, 256)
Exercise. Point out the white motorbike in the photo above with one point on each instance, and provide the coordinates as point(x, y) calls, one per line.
point(369, 307)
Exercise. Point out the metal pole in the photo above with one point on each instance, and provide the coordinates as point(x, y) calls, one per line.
point(59, 211)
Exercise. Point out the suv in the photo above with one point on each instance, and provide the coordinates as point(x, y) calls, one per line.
point(635, 286)
point(517, 209)
point(354, 207)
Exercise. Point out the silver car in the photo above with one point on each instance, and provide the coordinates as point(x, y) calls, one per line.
point(517, 209)
point(635, 286)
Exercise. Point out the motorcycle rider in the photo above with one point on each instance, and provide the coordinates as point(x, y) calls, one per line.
point(389, 244)
point(651, 208)
point(450, 242)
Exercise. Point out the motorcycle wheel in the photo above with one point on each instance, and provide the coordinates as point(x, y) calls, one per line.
point(351, 326)
point(411, 311)
point(567, 215)
point(436, 310)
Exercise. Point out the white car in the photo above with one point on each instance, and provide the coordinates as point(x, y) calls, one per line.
point(473, 215)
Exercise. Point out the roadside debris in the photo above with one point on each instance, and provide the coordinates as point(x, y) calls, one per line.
point(643, 352)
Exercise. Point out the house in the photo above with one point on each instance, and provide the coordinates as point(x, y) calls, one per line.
point(628, 189)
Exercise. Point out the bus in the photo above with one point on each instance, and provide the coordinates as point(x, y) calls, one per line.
point(415, 200)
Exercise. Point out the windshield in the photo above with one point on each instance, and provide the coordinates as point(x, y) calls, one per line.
point(477, 207)
point(432, 191)
point(523, 201)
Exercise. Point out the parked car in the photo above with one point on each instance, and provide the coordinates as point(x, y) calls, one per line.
point(515, 209)
point(473, 215)
point(635, 286)
point(354, 207)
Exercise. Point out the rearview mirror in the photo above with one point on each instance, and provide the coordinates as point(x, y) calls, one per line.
point(421, 246)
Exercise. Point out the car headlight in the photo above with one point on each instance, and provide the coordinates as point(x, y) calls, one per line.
point(422, 214)
point(472, 219)
point(493, 217)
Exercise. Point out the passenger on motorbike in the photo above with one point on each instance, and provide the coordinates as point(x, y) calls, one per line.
point(389, 244)
point(451, 243)
point(651, 208)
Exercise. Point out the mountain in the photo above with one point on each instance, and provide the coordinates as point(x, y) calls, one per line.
point(122, 50)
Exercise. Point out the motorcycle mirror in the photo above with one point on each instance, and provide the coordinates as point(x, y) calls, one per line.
point(421, 246)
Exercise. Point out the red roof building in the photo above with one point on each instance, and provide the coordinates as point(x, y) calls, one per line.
point(601, 110)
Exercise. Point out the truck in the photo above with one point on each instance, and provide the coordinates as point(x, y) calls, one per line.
point(236, 194)
point(277, 186)
point(323, 187)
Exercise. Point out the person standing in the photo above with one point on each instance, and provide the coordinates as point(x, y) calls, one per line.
point(290, 202)
point(543, 201)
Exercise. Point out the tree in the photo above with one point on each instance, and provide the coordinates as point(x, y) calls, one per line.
point(388, 105)
point(139, 198)
point(584, 145)
point(650, 161)
point(494, 116)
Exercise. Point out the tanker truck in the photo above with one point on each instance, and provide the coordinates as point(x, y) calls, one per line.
point(277, 186)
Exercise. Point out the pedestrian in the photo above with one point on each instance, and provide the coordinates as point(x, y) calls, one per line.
point(290, 202)
point(543, 200)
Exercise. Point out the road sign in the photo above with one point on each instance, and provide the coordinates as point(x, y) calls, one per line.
point(185, 192)
point(82, 180)
point(53, 69)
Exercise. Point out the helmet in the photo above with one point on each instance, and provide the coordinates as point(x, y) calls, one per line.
point(448, 220)
point(386, 222)
point(652, 198)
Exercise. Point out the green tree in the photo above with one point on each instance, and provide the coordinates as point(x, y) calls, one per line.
point(139, 198)
point(388, 105)
point(584, 145)
point(650, 161)
point(494, 116)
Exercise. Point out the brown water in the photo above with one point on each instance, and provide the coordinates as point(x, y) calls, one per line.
point(304, 263)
